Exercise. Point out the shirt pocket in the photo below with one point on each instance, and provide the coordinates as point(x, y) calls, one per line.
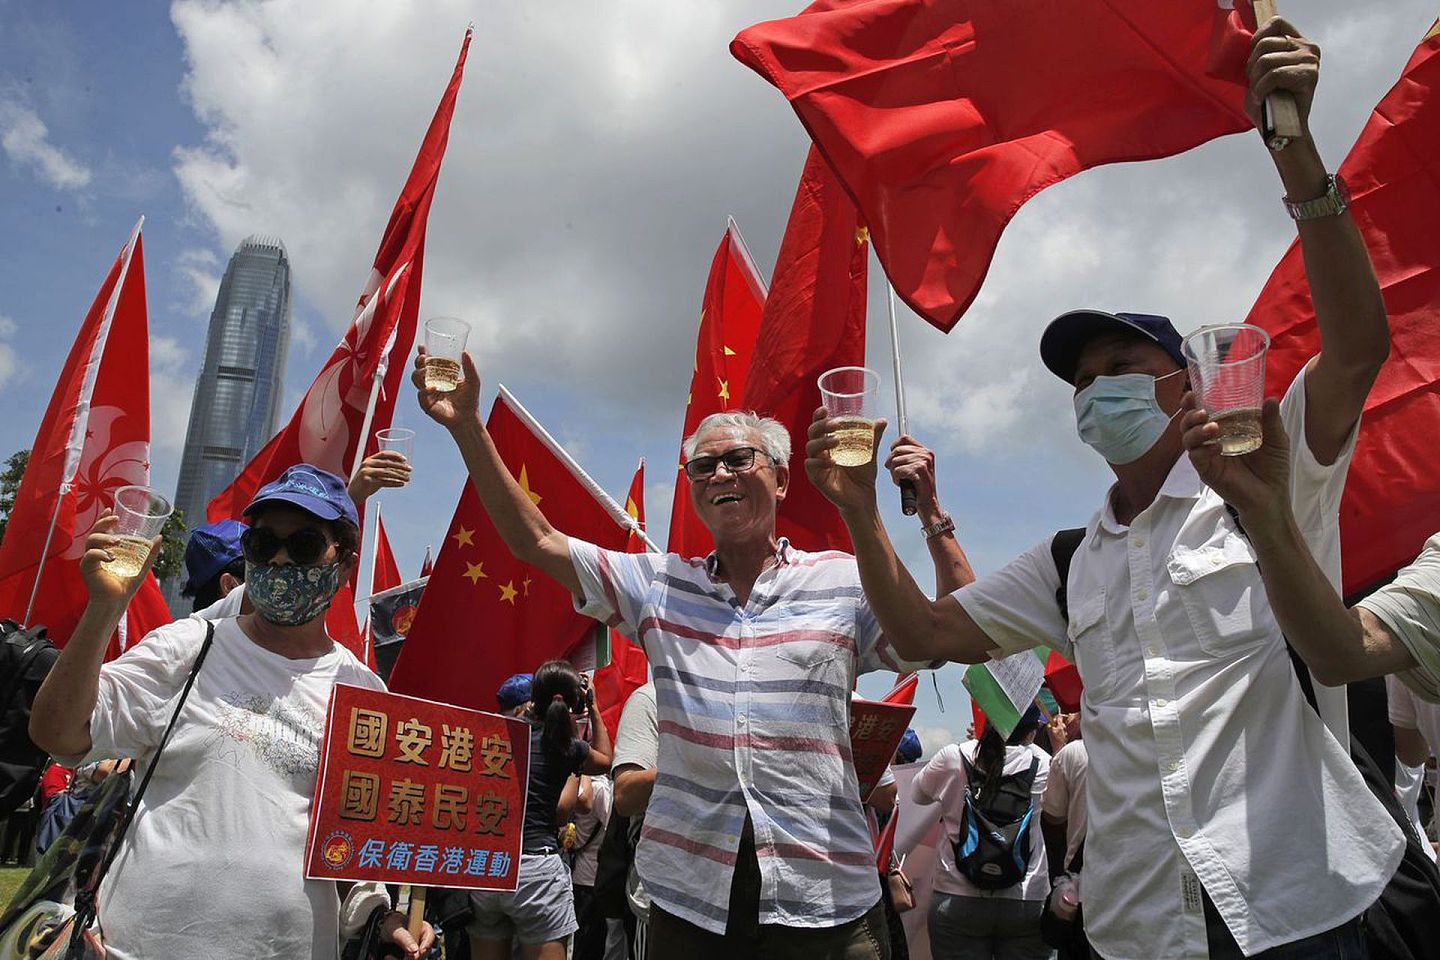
point(1094, 647)
point(1220, 588)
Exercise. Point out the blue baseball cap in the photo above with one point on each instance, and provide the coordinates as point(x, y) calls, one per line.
point(211, 549)
point(909, 750)
point(318, 492)
point(514, 691)
point(1067, 334)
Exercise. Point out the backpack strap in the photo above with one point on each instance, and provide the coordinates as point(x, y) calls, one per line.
point(1062, 550)
point(85, 904)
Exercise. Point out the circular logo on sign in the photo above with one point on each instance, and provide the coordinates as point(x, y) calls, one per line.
point(402, 620)
point(337, 849)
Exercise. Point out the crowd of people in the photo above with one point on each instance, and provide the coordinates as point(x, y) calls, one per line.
point(1220, 817)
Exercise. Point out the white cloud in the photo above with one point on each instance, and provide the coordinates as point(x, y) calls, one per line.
point(26, 141)
point(9, 361)
point(200, 269)
point(172, 389)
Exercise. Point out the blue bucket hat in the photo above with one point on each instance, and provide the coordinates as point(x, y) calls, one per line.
point(1067, 334)
point(211, 549)
point(318, 492)
point(909, 750)
point(514, 691)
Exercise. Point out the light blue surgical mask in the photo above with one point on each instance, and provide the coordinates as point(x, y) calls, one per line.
point(1119, 416)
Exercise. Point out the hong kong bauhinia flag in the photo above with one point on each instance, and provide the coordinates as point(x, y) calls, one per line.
point(628, 669)
point(326, 427)
point(485, 615)
point(729, 320)
point(814, 319)
point(942, 117)
point(1392, 496)
point(94, 439)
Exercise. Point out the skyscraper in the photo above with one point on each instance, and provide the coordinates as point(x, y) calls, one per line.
point(237, 395)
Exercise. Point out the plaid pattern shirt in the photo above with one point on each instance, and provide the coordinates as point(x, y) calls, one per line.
point(753, 705)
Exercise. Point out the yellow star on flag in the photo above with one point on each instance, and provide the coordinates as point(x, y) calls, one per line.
point(508, 592)
point(525, 485)
point(1434, 31)
point(724, 391)
point(476, 572)
point(862, 236)
point(631, 508)
point(465, 538)
point(727, 351)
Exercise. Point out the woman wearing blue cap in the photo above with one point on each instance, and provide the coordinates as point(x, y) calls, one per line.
point(226, 813)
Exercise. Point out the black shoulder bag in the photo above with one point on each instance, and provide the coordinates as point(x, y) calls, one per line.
point(85, 905)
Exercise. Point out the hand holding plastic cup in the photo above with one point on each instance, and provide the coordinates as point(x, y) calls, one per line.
point(444, 343)
point(142, 513)
point(850, 396)
point(399, 439)
point(1227, 373)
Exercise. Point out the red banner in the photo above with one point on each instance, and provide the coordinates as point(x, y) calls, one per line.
point(412, 791)
point(875, 731)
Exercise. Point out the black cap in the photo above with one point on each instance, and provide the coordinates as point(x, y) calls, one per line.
point(1062, 341)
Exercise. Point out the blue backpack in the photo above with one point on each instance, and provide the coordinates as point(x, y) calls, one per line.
point(993, 850)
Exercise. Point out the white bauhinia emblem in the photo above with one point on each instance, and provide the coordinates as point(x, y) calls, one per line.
point(104, 468)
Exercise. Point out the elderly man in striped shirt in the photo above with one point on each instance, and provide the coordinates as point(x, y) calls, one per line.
point(755, 843)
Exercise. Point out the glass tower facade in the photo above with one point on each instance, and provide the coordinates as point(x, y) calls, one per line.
point(237, 395)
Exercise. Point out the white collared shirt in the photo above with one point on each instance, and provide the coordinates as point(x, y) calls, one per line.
point(1208, 768)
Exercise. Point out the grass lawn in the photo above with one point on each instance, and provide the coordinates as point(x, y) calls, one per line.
point(10, 879)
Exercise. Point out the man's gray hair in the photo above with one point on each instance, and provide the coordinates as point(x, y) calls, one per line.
point(774, 438)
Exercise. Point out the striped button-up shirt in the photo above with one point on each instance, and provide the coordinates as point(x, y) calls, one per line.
point(753, 705)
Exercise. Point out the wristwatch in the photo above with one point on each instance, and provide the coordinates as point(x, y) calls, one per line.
point(1335, 200)
point(943, 525)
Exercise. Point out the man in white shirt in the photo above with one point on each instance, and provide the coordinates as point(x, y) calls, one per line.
point(226, 813)
point(1416, 724)
point(1201, 841)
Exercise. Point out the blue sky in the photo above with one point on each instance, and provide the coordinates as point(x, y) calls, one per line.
point(595, 154)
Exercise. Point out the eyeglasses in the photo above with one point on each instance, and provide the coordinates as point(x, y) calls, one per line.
point(304, 547)
point(739, 460)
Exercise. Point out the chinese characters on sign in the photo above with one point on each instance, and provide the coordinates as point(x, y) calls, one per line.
point(412, 791)
point(875, 732)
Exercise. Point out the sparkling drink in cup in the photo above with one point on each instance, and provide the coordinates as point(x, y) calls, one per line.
point(1227, 373)
point(850, 396)
point(142, 512)
point(444, 343)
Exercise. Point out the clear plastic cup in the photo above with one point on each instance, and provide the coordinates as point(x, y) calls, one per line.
point(1227, 373)
point(444, 343)
point(850, 395)
point(142, 512)
point(399, 439)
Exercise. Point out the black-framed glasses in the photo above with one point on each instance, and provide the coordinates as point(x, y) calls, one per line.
point(739, 460)
point(304, 547)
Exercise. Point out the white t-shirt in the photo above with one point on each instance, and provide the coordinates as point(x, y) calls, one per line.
point(943, 779)
point(590, 830)
point(212, 867)
point(1065, 793)
point(1410, 606)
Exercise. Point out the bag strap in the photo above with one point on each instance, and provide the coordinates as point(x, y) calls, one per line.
point(85, 899)
point(1062, 549)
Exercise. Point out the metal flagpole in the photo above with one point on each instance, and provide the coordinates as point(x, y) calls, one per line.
point(617, 512)
point(908, 503)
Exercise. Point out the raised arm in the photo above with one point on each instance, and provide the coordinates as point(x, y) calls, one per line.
point(517, 519)
point(918, 628)
point(911, 461)
point(1354, 330)
point(1338, 645)
point(60, 717)
point(601, 749)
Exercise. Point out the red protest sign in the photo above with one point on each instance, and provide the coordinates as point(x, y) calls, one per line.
point(418, 792)
point(875, 731)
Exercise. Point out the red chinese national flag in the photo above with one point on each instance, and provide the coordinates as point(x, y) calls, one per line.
point(1392, 497)
point(427, 565)
point(628, 669)
point(942, 117)
point(814, 320)
point(486, 615)
point(386, 572)
point(326, 428)
point(94, 439)
point(729, 320)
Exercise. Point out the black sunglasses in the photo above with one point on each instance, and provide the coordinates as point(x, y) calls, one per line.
point(304, 547)
point(739, 460)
